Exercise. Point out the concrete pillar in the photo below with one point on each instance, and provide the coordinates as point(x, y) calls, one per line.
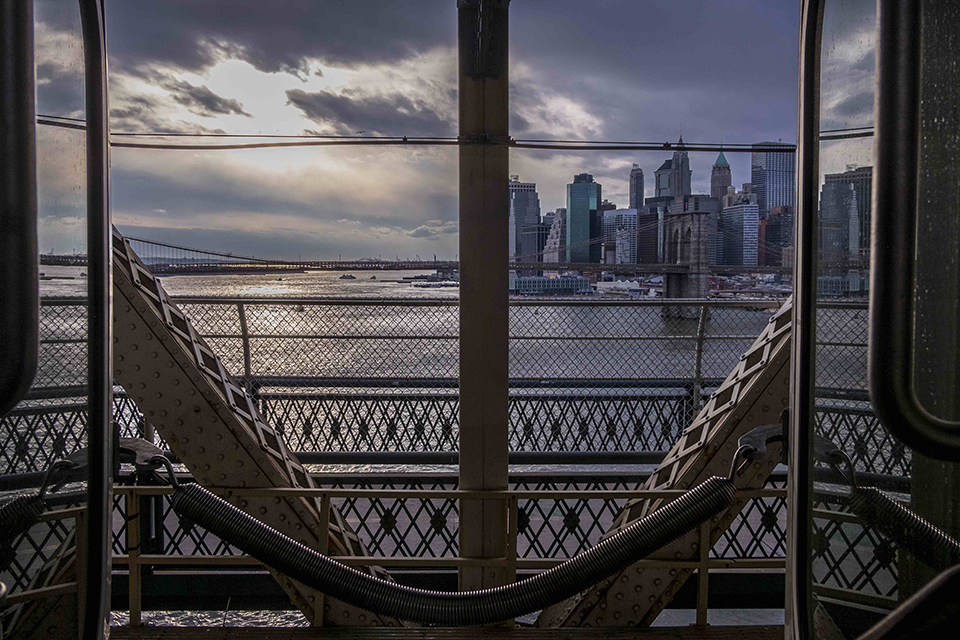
point(484, 230)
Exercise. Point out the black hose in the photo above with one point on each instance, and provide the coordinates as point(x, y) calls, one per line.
point(453, 608)
point(912, 532)
point(18, 515)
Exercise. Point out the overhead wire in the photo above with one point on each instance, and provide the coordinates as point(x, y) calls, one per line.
point(312, 140)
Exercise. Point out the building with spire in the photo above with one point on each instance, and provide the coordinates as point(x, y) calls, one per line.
point(636, 187)
point(681, 171)
point(720, 178)
point(673, 176)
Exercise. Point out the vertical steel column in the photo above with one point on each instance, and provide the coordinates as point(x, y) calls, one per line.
point(484, 311)
point(798, 610)
point(19, 270)
point(96, 587)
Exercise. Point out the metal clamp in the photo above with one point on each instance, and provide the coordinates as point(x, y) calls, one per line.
point(163, 461)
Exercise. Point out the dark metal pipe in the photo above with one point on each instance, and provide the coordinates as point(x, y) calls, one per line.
point(95, 592)
point(19, 260)
point(798, 607)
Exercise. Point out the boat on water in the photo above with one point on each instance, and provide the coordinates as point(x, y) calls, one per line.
point(347, 276)
point(373, 277)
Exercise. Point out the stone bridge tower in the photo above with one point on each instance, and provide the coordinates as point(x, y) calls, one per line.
point(687, 240)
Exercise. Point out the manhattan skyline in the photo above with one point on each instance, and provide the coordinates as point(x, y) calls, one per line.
point(182, 67)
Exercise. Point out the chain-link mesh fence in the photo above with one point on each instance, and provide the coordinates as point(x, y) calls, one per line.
point(381, 375)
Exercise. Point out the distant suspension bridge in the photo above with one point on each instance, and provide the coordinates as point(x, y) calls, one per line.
point(170, 259)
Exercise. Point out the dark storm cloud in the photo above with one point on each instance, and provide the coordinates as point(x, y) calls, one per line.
point(59, 91)
point(139, 114)
point(716, 69)
point(353, 110)
point(279, 35)
point(201, 100)
point(860, 103)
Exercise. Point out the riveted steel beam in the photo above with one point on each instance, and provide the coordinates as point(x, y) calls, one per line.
point(214, 427)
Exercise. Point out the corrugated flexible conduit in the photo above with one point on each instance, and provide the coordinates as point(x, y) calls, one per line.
point(346, 584)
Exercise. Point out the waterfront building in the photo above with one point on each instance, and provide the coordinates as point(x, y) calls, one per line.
point(636, 187)
point(584, 219)
point(721, 178)
point(740, 228)
point(849, 285)
point(543, 286)
point(773, 175)
point(524, 211)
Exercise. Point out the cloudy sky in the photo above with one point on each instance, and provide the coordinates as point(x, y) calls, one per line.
point(606, 70)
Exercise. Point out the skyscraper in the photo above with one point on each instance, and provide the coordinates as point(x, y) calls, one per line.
point(862, 180)
point(673, 176)
point(720, 178)
point(650, 240)
point(636, 187)
point(775, 235)
point(649, 232)
point(524, 211)
point(839, 232)
point(681, 171)
point(662, 187)
point(772, 174)
point(532, 244)
point(740, 227)
point(584, 219)
point(555, 249)
point(620, 230)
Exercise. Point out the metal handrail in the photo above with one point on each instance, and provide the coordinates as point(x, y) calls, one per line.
point(19, 261)
point(890, 368)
